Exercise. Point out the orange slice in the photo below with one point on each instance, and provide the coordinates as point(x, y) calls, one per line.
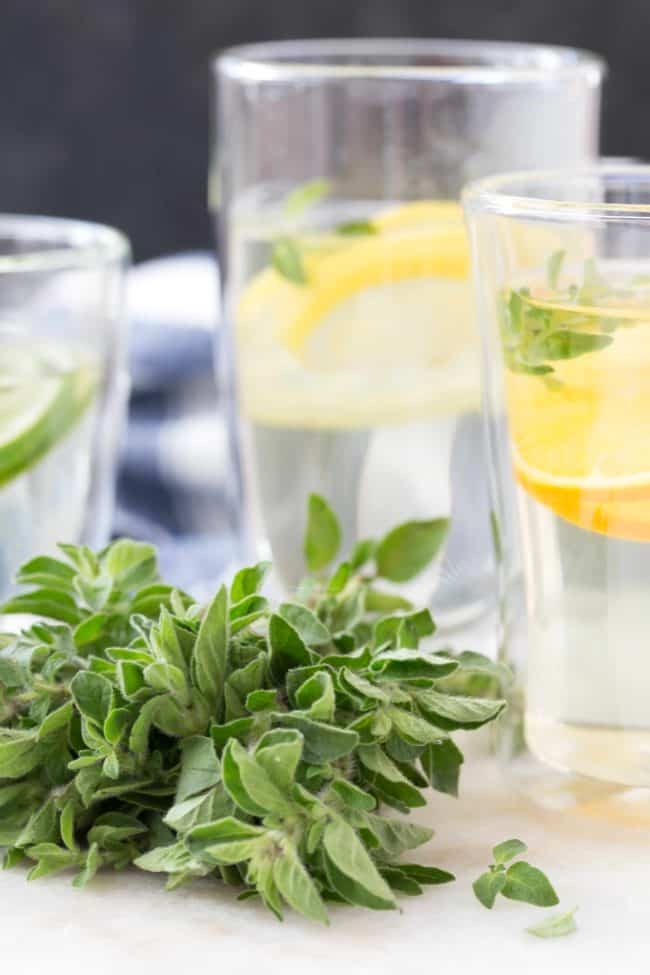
point(583, 450)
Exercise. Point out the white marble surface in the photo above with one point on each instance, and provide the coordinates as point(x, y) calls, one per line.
point(128, 923)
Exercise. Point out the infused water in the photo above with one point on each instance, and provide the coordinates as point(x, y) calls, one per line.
point(358, 380)
point(578, 399)
point(47, 392)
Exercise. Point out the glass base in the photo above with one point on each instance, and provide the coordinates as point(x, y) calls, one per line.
point(579, 795)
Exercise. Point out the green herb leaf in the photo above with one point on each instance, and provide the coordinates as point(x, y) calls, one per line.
point(305, 196)
point(350, 869)
point(50, 603)
point(508, 850)
point(323, 742)
point(553, 267)
point(308, 626)
point(458, 712)
point(297, 887)
point(569, 345)
point(56, 720)
point(441, 763)
point(287, 261)
point(357, 228)
point(556, 926)
point(288, 649)
point(385, 602)
point(248, 581)
point(405, 551)
point(278, 752)
point(200, 768)
point(526, 883)
point(93, 696)
point(430, 876)
point(323, 535)
point(488, 886)
point(210, 650)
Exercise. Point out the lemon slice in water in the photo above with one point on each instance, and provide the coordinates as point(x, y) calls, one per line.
point(38, 406)
point(382, 332)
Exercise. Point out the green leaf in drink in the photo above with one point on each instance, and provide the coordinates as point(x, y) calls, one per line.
point(357, 228)
point(554, 266)
point(305, 196)
point(567, 344)
point(287, 261)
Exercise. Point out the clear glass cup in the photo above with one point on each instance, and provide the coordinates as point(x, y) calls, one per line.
point(350, 353)
point(63, 383)
point(562, 272)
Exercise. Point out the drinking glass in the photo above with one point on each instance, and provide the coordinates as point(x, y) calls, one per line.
point(63, 383)
point(562, 272)
point(350, 350)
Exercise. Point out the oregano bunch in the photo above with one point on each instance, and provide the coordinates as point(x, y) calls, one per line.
point(264, 746)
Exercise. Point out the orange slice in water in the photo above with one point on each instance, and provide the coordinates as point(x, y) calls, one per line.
point(583, 449)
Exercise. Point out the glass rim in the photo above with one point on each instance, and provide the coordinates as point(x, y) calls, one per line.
point(59, 243)
point(499, 193)
point(505, 62)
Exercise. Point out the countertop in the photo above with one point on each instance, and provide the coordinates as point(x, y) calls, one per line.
point(128, 923)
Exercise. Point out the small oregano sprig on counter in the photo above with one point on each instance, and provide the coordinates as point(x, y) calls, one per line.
point(518, 882)
point(261, 746)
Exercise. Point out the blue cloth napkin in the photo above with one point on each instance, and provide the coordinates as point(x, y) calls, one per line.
point(174, 458)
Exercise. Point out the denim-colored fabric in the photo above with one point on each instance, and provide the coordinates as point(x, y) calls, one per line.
point(173, 461)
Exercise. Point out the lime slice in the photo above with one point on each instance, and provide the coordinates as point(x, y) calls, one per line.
point(37, 409)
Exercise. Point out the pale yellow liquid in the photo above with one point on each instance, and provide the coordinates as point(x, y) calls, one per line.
point(587, 555)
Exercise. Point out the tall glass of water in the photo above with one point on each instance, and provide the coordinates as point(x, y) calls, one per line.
point(562, 264)
point(350, 348)
point(63, 384)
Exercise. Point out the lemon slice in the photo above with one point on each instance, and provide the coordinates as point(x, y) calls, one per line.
point(583, 449)
point(37, 408)
point(382, 332)
point(420, 213)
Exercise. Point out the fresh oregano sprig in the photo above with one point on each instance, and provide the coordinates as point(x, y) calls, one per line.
point(518, 882)
point(261, 745)
point(536, 335)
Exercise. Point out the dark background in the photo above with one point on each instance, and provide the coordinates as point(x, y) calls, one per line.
point(104, 103)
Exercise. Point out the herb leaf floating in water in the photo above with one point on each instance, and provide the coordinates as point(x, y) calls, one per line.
point(289, 250)
point(260, 746)
point(539, 330)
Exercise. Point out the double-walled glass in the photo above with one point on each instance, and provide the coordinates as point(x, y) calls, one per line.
point(63, 383)
point(336, 177)
point(562, 267)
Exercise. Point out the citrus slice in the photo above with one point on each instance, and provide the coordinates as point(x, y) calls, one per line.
point(378, 261)
point(36, 409)
point(382, 330)
point(583, 449)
